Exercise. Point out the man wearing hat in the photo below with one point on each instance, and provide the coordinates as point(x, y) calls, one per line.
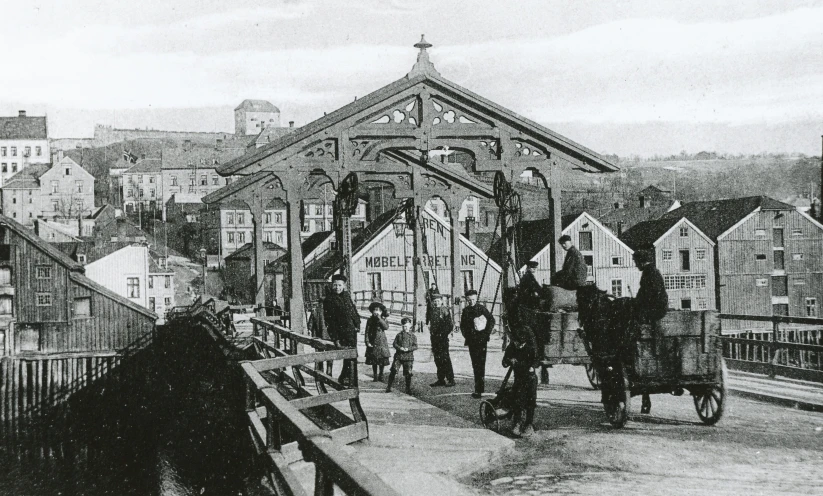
point(476, 324)
point(342, 319)
point(575, 271)
point(441, 326)
point(651, 303)
point(529, 289)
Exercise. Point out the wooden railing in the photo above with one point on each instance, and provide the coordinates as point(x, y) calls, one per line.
point(282, 413)
point(796, 353)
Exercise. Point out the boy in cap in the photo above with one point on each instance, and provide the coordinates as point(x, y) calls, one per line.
point(521, 355)
point(476, 325)
point(441, 326)
point(342, 320)
point(404, 343)
point(529, 289)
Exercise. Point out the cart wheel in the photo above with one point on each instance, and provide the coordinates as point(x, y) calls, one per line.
point(618, 402)
point(593, 375)
point(488, 416)
point(711, 403)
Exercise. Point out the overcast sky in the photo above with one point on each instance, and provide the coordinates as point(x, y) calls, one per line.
point(619, 77)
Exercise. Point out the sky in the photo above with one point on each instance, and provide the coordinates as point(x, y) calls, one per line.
point(625, 77)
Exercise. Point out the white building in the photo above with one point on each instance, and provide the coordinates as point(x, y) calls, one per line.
point(24, 140)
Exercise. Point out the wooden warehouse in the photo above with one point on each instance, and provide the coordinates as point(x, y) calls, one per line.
point(769, 257)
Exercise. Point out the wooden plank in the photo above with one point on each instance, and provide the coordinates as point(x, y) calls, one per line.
point(292, 360)
point(258, 431)
point(284, 480)
point(324, 399)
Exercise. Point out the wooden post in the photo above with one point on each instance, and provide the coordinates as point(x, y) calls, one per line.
point(257, 215)
point(296, 307)
point(556, 225)
point(775, 350)
point(419, 311)
point(457, 260)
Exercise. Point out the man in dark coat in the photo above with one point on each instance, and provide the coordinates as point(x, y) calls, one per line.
point(575, 271)
point(529, 289)
point(441, 327)
point(651, 302)
point(342, 319)
point(476, 325)
point(521, 355)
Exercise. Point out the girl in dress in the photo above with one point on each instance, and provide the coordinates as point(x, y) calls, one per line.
point(377, 347)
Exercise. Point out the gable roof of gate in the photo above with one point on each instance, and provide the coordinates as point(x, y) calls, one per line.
point(433, 79)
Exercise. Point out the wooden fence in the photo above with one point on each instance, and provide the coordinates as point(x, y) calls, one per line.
point(795, 353)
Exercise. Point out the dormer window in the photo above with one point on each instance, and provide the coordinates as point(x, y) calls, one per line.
point(68, 171)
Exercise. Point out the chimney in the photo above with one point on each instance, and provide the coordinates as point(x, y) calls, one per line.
point(620, 228)
point(291, 123)
point(470, 229)
point(59, 155)
point(21, 113)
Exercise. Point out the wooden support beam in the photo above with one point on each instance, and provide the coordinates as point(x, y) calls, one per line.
point(302, 359)
point(297, 309)
point(454, 205)
point(257, 214)
point(324, 399)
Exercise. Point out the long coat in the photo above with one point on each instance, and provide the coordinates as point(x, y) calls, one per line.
point(467, 324)
point(341, 318)
point(441, 324)
point(378, 353)
point(574, 272)
point(651, 301)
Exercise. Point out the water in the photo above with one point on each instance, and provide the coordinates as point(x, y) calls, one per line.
point(173, 426)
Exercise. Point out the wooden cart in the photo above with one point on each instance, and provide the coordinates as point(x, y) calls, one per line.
point(561, 341)
point(683, 352)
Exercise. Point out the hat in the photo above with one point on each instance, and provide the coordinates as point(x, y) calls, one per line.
point(404, 320)
point(532, 264)
point(377, 304)
point(564, 238)
point(339, 277)
point(470, 292)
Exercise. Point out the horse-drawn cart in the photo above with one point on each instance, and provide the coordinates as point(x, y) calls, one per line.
point(682, 352)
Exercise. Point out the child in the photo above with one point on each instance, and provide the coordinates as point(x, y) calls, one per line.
point(521, 355)
point(405, 343)
point(377, 347)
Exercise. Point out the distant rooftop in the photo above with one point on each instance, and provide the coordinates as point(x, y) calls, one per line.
point(23, 127)
point(257, 106)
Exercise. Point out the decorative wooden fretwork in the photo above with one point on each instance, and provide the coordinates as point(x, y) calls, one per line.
point(324, 150)
point(525, 149)
point(358, 147)
point(406, 112)
point(446, 114)
point(491, 149)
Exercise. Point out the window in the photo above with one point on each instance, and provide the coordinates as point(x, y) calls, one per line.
point(81, 259)
point(759, 232)
point(5, 167)
point(192, 180)
point(204, 180)
point(5, 276)
point(151, 179)
point(82, 306)
point(797, 257)
point(174, 180)
point(14, 166)
point(38, 151)
point(6, 305)
point(230, 218)
point(468, 279)
point(617, 288)
point(305, 226)
point(167, 301)
point(43, 272)
point(151, 193)
point(778, 219)
point(702, 304)
point(228, 181)
point(585, 241)
point(55, 185)
point(667, 255)
point(375, 281)
point(617, 261)
point(129, 192)
point(811, 307)
point(140, 178)
point(14, 151)
point(685, 262)
point(267, 235)
point(278, 236)
point(27, 151)
point(167, 282)
point(231, 237)
point(799, 282)
point(761, 283)
point(67, 171)
point(797, 232)
point(780, 286)
point(241, 219)
point(779, 261)
point(3, 151)
point(267, 218)
point(470, 211)
point(43, 299)
point(133, 287)
point(278, 218)
point(151, 282)
point(152, 304)
point(700, 254)
point(685, 281)
point(78, 185)
point(241, 237)
point(330, 209)
point(5, 253)
point(141, 193)
point(780, 309)
point(760, 256)
point(215, 180)
point(686, 304)
point(318, 210)
point(589, 264)
point(684, 232)
point(777, 237)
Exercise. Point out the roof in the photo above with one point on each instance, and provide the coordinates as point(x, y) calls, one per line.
point(257, 106)
point(156, 269)
point(246, 252)
point(28, 178)
point(270, 134)
point(313, 241)
point(431, 79)
point(625, 218)
point(718, 216)
point(41, 243)
point(145, 165)
point(644, 234)
point(15, 128)
point(531, 236)
point(198, 157)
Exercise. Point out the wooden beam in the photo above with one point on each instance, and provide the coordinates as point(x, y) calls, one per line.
point(324, 399)
point(302, 359)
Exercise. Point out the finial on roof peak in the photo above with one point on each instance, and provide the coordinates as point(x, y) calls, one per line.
point(423, 64)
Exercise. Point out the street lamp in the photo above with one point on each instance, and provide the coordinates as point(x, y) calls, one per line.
point(203, 258)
